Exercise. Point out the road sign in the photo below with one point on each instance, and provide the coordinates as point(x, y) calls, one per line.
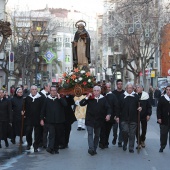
point(11, 61)
point(169, 72)
point(152, 73)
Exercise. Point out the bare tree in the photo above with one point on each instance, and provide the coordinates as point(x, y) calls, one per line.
point(28, 27)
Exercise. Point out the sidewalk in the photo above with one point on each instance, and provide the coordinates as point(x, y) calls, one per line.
point(13, 150)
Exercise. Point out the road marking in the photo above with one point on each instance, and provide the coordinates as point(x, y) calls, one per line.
point(10, 163)
point(153, 168)
point(85, 135)
point(145, 152)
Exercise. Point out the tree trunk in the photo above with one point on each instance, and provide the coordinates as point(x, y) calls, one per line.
point(16, 81)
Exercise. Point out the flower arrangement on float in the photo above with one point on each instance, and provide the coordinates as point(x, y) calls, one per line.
point(78, 76)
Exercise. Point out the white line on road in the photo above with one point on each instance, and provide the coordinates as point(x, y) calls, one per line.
point(145, 152)
point(85, 135)
point(153, 168)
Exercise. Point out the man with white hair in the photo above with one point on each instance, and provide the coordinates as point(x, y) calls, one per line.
point(145, 113)
point(98, 110)
point(128, 115)
point(33, 105)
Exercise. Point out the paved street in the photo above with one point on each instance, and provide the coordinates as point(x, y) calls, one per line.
point(77, 158)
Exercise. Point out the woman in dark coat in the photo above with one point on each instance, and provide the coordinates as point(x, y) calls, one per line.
point(17, 107)
point(5, 117)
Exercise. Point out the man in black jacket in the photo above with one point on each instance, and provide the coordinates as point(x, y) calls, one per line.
point(44, 130)
point(128, 116)
point(157, 95)
point(53, 112)
point(105, 130)
point(144, 114)
point(118, 92)
point(163, 116)
point(33, 106)
point(98, 110)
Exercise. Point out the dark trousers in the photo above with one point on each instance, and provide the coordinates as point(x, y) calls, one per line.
point(128, 133)
point(67, 129)
point(45, 134)
point(115, 129)
point(55, 133)
point(105, 132)
point(144, 129)
point(164, 135)
point(37, 135)
point(93, 142)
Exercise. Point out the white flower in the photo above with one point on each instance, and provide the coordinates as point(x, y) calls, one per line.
point(82, 71)
point(70, 73)
point(89, 80)
point(80, 78)
point(75, 80)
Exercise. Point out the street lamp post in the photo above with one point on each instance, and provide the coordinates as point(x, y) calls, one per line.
point(113, 72)
point(151, 60)
point(36, 50)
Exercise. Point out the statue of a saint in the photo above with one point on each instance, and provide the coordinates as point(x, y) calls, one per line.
point(81, 46)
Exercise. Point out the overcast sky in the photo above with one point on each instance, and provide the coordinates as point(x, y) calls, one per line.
point(88, 6)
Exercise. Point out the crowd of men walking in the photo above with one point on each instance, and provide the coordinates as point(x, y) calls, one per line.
point(51, 115)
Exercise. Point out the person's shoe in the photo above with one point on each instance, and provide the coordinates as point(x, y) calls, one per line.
point(56, 151)
point(161, 149)
point(6, 143)
point(79, 128)
point(131, 150)
point(114, 141)
point(49, 151)
point(66, 146)
point(35, 150)
point(91, 152)
point(95, 153)
point(143, 144)
point(0, 146)
point(106, 146)
point(119, 144)
point(101, 146)
point(124, 147)
point(13, 141)
point(138, 147)
point(28, 147)
point(83, 129)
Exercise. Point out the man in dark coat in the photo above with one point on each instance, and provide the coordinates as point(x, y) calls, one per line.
point(118, 92)
point(44, 130)
point(144, 114)
point(5, 118)
point(53, 112)
point(163, 116)
point(128, 115)
point(98, 110)
point(69, 120)
point(105, 130)
point(33, 106)
point(157, 95)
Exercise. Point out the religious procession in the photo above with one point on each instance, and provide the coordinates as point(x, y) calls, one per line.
point(45, 117)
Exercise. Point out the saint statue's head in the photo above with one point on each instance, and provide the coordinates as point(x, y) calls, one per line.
point(80, 27)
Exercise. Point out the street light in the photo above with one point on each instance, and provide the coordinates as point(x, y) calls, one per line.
point(151, 60)
point(113, 72)
point(36, 50)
